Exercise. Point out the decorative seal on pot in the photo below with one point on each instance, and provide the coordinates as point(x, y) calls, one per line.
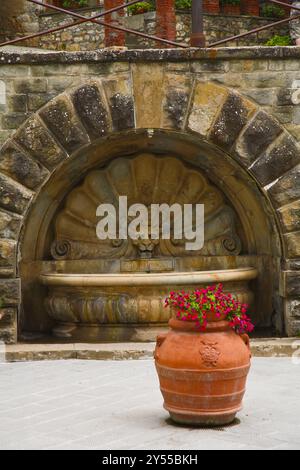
point(209, 354)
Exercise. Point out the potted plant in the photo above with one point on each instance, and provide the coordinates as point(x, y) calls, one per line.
point(231, 7)
point(204, 360)
point(211, 6)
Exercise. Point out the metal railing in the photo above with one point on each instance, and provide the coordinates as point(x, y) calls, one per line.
point(197, 34)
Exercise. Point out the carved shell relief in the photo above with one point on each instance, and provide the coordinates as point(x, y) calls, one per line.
point(145, 179)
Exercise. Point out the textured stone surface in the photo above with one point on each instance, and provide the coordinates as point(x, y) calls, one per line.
point(10, 225)
point(292, 283)
point(10, 292)
point(258, 135)
point(292, 241)
point(8, 253)
point(149, 93)
point(7, 315)
point(35, 139)
point(91, 110)
point(13, 196)
point(290, 217)
point(176, 107)
point(208, 99)
point(61, 120)
point(122, 111)
point(22, 168)
point(277, 160)
point(231, 120)
point(287, 188)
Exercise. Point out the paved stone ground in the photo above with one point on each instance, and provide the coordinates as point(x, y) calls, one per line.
point(117, 405)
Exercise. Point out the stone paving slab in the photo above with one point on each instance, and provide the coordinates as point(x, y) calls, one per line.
point(273, 347)
point(108, 405)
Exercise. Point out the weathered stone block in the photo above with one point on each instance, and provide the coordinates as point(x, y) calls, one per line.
point(10, 292)
point(13, 120)
point(277, 160)
point(10, 225)
point(119, 96)
point(234, 115)
point(122, 112)
point(8, 254)
point(257, 136)
point(286, 189)
point(8, 334)
point(7, 316)
point(13, 196)
point(36, 101)
point(17, 103)
point(292, 242)
point(263, 97)
point(148, 86)
point(208, 99)
point(292, 324)
point(62, 120)
point(176, 107)
point(34, 85)
point(290, 217)
point(91, 109)
point(294, 307)
point(21, 168)
point(35, 139)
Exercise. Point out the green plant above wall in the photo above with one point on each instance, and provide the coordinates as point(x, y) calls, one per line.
point(80, 3)
point(272, 11)
point(140, 7)
point(230, 2)
point(183, 4)
point(278, 40)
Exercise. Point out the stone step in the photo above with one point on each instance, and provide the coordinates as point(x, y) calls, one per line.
point(272, 347)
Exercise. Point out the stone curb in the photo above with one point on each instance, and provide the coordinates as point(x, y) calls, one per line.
point(276, 347)
point(38, 56)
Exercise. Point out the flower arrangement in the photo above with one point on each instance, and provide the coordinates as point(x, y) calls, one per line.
point(200, 305)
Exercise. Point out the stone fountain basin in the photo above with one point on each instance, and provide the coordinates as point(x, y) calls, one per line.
point(131, 298)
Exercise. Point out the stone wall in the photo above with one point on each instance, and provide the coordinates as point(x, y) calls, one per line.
point(268, 76)
point(245, 102)
point(18, 18)
point(90, 37)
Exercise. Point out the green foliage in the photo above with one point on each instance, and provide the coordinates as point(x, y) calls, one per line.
point(230, 2)
point(140, 7)
point(183, 4)
point(279, 41)
point(272, 11)
point(81, 3)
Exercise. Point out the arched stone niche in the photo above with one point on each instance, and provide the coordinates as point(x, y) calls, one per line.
point(241, 152)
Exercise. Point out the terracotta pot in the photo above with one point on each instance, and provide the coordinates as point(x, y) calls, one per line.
point(211, 6)
point(232, 10)
point(202, 374)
